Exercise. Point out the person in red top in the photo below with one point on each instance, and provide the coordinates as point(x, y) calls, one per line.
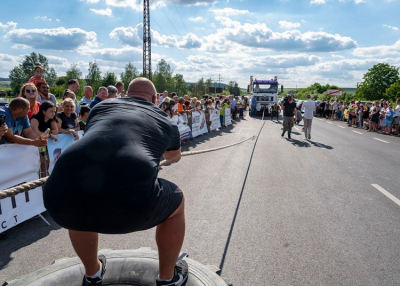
point(38, 76)
point(29, 91)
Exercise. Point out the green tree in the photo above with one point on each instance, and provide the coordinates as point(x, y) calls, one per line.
point(162, 77)
point(21, 73)
point(393, 92)
point(93, 78)
point(52, 77)
point(378, 78)
point(109, 78)
point(181, 87)
point(208, 84)
point(129, 74)
point(200, 88)
point(73, 72)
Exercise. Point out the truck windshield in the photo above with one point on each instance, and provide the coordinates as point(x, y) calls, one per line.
point(265, 88)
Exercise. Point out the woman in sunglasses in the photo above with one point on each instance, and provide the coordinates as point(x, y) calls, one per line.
point(29, 91)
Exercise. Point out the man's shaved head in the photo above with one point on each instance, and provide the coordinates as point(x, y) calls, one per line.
point(142, 87)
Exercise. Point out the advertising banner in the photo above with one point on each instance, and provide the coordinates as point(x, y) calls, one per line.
point(215, 122)
point(19, 164)
point(228, 120)
point(56, 148)
point(184, 130)
point(199, 125)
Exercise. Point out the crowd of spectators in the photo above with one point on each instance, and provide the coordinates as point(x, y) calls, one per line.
point(377, 116)
point(36, 110)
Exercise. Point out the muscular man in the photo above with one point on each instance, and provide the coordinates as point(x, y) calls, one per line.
point(309, 109)
point(289, 111)
point(101, 197)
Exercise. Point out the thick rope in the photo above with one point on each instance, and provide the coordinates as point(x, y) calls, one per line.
point(34, 184)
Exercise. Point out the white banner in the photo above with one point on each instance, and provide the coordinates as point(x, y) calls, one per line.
point(56, 148)
point(228, 120)
point(19, 164)
point(199, 125)
point(214, 119)
point(181, 122)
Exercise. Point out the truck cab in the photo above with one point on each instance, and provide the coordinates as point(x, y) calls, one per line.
point(265, 92)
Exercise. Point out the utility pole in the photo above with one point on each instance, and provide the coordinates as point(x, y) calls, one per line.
point(146, 40)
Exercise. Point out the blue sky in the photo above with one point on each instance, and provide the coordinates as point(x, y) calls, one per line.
point(300, 41)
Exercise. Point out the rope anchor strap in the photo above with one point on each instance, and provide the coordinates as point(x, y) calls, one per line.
point(34, 184)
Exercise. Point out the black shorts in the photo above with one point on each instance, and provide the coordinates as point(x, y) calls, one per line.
point(166, 197)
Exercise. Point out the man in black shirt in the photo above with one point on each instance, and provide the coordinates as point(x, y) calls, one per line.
point(289, 111)
point(107, 182)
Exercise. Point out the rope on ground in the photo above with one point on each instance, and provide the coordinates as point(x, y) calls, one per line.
point(34, 184)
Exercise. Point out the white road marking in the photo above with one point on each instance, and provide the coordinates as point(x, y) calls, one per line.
point(381, 140)
point(357, 132)
point(296, 128)
point(320, 119)
point(341, 126)
point(386, 193)
point(329, 122)
point(319, 145)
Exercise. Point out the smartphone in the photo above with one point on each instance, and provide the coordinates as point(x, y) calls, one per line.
point(2, 116)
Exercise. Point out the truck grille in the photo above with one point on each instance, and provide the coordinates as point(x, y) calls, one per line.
point(265, 98)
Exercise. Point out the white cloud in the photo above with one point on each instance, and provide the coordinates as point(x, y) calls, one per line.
point(8, 26)
point(103, 12)
point(20, 47)
point(260, 36)
point(128, 35)
point(44, 18)
point(229, 12)
point(391, 27)
point(196, 19)
point(54, 39)
point(377, 51)
point(288, 25)
point(317, 2)
point(124, 54)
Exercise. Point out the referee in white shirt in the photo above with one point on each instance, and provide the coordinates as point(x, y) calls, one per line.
point(309, 109)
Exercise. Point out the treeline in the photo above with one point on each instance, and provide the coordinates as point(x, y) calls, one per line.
point(163, 78)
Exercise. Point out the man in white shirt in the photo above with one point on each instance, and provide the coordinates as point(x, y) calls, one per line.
point(87, 99)
point(335, 108)
point(309, 109)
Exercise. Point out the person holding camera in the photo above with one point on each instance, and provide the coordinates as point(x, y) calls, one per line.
point(289, 112)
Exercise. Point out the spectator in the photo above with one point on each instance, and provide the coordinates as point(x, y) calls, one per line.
point(389, 119)
point(158, 100)
point(193, 102)
point(335, 108)
point(87, 99)
point(38, 76)
point(83, 116)
point(180, 109)
point(45, 118)
point(328, 112)
point(176, 99)
point(16, 119)
point(374, 117)
point(3, 130)
point(73, 85)
point(44, 94)
point(29, 91)
point(163, 96)
point(67, 119)
point(120, 89)
point(222, 112)
point(112, 91)
point(166, 108)
point(397, 117)
point(365, 115)
point(241, 105)
point(382, 117)
point(186, 97)
point(67, 94)
point(102, 94)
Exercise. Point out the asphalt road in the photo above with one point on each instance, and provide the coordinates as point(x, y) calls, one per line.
point(269, 211)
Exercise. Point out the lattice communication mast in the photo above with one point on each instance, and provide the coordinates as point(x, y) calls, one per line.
point(146, 40)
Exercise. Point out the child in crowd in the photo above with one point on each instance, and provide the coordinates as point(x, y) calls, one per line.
point(38, 73)
point(83, 116)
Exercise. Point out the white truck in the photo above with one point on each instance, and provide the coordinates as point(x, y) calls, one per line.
point(265, 92)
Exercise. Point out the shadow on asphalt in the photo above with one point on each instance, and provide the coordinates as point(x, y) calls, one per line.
point(24, 234)
point(307, 143)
